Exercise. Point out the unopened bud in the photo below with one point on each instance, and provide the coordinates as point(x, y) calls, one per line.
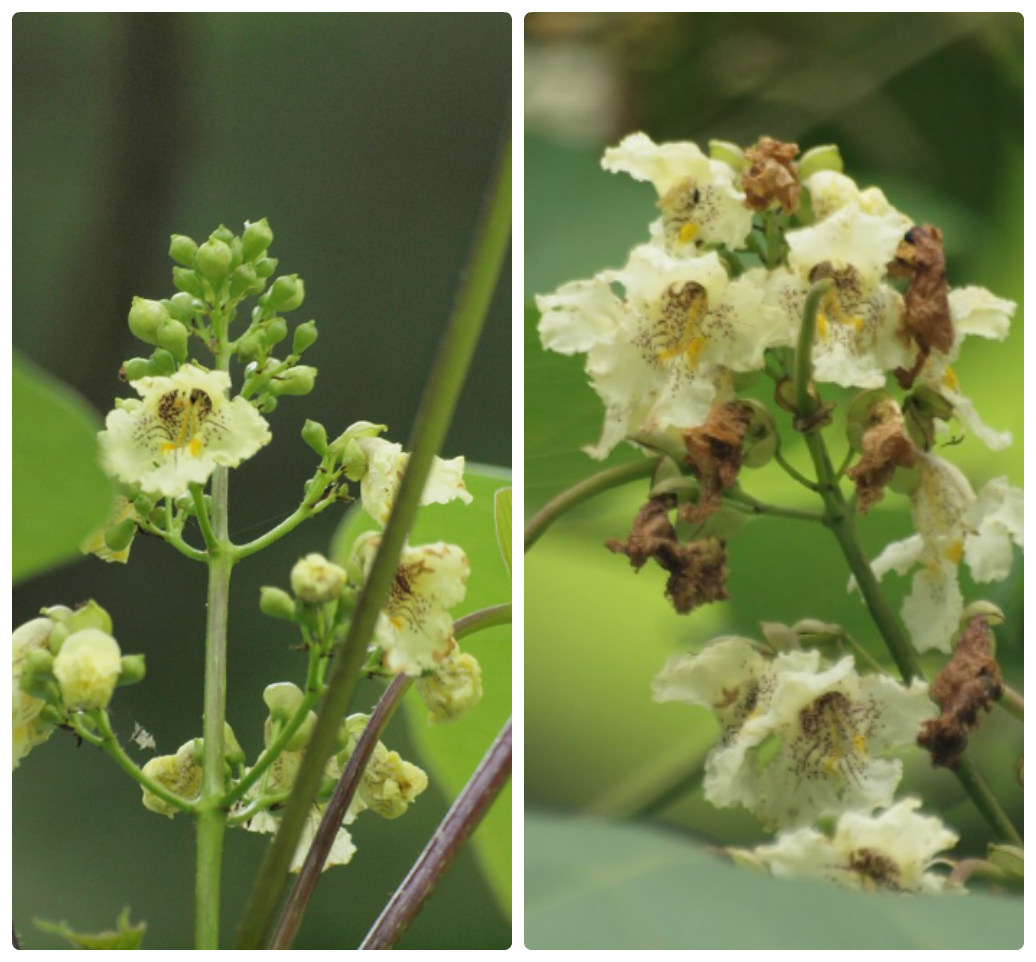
point(187, 281)
point(276, 603)
point(315, 580)
point(243, 280)
point(134, 369)
point(275, 331)
point(161, 363)
point(287, 293)
point(119, 537)
point(213, 260)
point(257, 237)
point(87, 669)
point(132, 671)
point(730, 154)
point(824, 157)
point(315, 435)
point(182, 249)
point(265, 266)
point(173, 338)
point(296, 381)
point(283, 699)
point(146, 317)
point(305, 336)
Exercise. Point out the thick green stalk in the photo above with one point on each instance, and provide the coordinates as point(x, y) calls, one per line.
point(210, 814)
point(434, 415)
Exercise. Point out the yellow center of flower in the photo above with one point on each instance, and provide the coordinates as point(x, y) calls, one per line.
point(690, 343)
point(689, 231)
point(949, 379)
point(833, 309)
point(183, 418)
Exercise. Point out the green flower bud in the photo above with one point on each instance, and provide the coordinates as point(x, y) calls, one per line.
point(87, 668)
point(59, 614)
point(188, 281)
point(134, 368)
point(858, 415)
point(730, 154)
point(287, 292)
point(296, 381)
point(275, 331)
point(143, 505)
point(232, 750)
point(825, 157)
point(267, 404)
point(265, 266)
point(251, 346)
point(243, 280)
point(132, 670)
point(145, 318)
point(37, 676)
point(346, 604)
point(119, 537)
point(299, 738)
point(360, 429)
point(305, 336)
point(161, 363)
point(214, 260)
point(222, 233)
point(905, 480)
point(184, 306)
point(182, 249)
point(57, 637)
point(315, 435)
point(256, 239)
point(283, 699)
point(173, 337)
point(90, 615)
point(276, 603)
point(315, 580)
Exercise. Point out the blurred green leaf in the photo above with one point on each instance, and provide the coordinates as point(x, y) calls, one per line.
point(453, 751)
point(126, 936)
point(592, 885)
point(61, 494)
point(502, 503)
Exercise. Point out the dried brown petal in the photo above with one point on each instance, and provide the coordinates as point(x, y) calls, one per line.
point(697, 571)
point(771, 175)
point(968, 685)
point(714, 453)
point(926, 315)
point(886, 446)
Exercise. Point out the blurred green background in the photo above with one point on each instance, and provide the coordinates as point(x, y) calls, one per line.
point(368, 141)
point(928, 107)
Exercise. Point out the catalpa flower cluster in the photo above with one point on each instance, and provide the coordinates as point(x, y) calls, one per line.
point(762, 261)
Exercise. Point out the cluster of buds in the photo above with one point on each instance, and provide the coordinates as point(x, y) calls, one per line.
point(65, 662)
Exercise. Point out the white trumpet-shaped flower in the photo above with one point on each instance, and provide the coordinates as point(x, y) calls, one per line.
point(661, 355)
point(890, 851)
point(699, 197)
point(800, 738)
point(179, 431)
point(952, 525)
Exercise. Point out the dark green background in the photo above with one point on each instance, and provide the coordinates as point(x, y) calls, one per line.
point(367, 140)
point(928, 107)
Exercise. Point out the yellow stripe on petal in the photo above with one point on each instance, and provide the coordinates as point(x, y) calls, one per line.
point(689, 231)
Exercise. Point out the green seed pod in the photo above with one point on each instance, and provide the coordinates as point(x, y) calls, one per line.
point(161, 363)
point(173, 337)
point(243, 281)
point(276, 603)
point(825, 157)
point(132, 670)
point(265, 266)
point(134, 368)
point(119, 537)
point(188, 281)
point(146, 317)
point(305, 336)
point(214, 260)
point(315, 435)
point(182, 249)
point(256, 239)
point(296, 381)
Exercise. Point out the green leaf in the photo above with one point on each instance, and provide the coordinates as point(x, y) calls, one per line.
point(451, 752)
point(126, 936)
point(593, 885)
point(61, 495)
point(502, 503)
point(562, 414)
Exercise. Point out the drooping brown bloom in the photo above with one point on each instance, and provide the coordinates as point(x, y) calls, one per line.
point(968, 685)
point(697, 570)
point(886, 446)
point(714, 453)
point(926, 315)
point(771, 175)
